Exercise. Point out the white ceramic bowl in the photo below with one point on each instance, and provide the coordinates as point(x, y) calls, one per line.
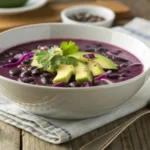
point(75, 103)
point(29, 6)
point(104, 12)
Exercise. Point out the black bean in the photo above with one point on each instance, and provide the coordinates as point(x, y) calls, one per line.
point(120, 59)
point(26, 73)
point(25, 52)
point(92, 19)
point(2, 62)
point(98, 19)
point(44, 80)
point(87, 46)
point(109, 54)
point(136, 65)
point(46, 74)
point(24, 66)
point(102, 82)
point(97, 50)
point(119, 51)
point(87, 16)
point(11, 54)
point(36, 71)
point(79, 17)
point(73, 84)
point(15, 72)
point(96, 82)
point(50, 80)
point(28, 61)
point(113, 76)
point(28, 80)
point(73, 17)
point(99, 82)
point(122, 78)
point(18, 56)
point(114, 52)
point(98, 45)
point(33, 83)
point(100, 50)
point(53, 74)
point(110, 57)
point(128, 71)
point(31, 68)
point(123, 75)
point(89, 50)
point(12, 60)
point(123, 65)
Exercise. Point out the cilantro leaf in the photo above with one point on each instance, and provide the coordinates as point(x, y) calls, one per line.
point(55, 56)
point(55, 61)
point(69, 61)
point(42, 56)
point(69, 48)
point(55, 50)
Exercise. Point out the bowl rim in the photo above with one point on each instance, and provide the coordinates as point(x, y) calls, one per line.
point(77, 88)
point(63, 14)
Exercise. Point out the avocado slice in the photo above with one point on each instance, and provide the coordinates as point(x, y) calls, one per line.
point(95, 68)
point(38, 65)
point(35, 62)
point(12, 3)
point(64, 73)
point(104, 62)
point(82, 73)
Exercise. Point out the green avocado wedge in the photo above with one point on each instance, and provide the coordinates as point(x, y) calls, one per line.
point(12, 3)
point(104, 62)
point(82, 73)
point(95, 68)
point(64, 73)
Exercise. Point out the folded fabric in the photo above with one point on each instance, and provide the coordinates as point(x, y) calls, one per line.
point(60, 131)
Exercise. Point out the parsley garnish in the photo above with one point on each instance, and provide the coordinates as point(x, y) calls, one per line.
point(69, 61)
point(69, 48)
point(56, 56)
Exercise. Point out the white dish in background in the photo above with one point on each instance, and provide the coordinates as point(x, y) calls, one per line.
point(30, 5)
point(104, 12)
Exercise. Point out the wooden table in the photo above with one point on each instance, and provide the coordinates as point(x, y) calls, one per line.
point(136, 137)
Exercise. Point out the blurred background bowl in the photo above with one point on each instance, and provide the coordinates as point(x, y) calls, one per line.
point(12, 3)
point(104, 12)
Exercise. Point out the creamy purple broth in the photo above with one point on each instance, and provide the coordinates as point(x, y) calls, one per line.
point(128, 65)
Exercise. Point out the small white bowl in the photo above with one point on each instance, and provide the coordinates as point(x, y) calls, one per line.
point(104, 12)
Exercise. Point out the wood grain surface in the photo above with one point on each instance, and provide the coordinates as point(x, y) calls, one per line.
point(9, 137)
point(51, 13)
point(136, 137)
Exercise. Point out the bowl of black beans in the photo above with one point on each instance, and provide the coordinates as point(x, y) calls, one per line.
point(88, 14)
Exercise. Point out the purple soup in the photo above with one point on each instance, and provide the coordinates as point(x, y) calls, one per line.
point(128, 66)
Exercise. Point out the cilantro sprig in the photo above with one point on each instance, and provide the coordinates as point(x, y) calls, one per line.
point(69, 48)
point(57, 60)
point(57, 55)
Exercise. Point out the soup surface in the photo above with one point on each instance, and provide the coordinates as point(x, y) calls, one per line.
point(127, 65)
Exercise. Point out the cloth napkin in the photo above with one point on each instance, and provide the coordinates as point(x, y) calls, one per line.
point(60, 131)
